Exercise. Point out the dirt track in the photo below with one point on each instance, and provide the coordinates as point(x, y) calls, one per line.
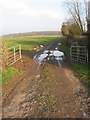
point(50, 92)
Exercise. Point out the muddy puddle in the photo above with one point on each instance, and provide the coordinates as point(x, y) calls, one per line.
point(48, 55)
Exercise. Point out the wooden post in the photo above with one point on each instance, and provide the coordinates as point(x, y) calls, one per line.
point(20, 50)
point(7, 61)
point(87, 55)
point(70, 51)
point(76, 53)
point(14, 53)
point(7, 57)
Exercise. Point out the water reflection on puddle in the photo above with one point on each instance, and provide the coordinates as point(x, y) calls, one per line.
point(50, 55)
point(42, 57)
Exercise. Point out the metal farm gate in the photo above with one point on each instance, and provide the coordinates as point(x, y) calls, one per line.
point(79, 53)
point(14, 54)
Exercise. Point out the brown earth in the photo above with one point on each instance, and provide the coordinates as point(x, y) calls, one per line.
point(50, 92)
point(20, 65)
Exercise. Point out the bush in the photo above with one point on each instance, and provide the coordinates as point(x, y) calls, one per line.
point(64, 29)
point(65, 48)
point(70, 39)
point(85, 33)
point(4, 55)
point(82, 40)
point(74, 30)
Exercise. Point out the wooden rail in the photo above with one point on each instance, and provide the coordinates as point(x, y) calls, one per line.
point(14, 54)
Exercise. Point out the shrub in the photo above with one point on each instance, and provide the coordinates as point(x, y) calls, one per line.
point(74, 29)
point(82, 40)
point(70, 39)
point(64, 29)
point(4, 55)
point(85, 33)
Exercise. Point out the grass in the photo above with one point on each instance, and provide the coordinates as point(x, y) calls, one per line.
point(29, 42)
point(9, 74)
point(0, 80)
point(81, 70)
point(65, 48)
point(26, 43)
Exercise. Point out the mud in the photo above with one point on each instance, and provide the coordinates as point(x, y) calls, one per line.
point(51, 92)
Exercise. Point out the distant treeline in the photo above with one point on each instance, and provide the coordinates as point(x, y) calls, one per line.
point(41, 33)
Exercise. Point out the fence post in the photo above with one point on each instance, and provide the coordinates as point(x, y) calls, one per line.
point(20, 50)
point(87, 55)
point(70, 52)
point(77, 52)
point(14, 53)
point(7, 59)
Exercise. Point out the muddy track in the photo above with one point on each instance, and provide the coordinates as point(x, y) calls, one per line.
point(21, 80)
point(26, 74)
point(49, 92)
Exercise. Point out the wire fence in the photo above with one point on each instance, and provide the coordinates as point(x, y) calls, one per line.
point(79, 53)
point(14, 54)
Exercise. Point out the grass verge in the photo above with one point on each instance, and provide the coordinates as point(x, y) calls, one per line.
point(9, 74)
point(81, 70)
point(65, 48)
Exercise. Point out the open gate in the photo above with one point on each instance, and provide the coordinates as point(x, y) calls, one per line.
point(14, 54)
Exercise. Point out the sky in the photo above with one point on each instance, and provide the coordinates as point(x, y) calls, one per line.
point(19, 16)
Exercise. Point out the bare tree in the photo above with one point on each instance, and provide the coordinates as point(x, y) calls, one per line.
point(86, 8)
point(79, 11)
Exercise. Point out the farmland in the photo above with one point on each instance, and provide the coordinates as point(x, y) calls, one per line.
point(39, 33)
point(29, 84)
point(26, 43)
point(30, 42)
point(49, 86)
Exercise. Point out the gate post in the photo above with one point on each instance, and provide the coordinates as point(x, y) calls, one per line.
point(77, 50)
point(70, 52)
point(87, 55)
point(14, 53)
point(20, 50)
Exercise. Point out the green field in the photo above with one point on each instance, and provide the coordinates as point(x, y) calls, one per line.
point(26, 43)
point(30, 42)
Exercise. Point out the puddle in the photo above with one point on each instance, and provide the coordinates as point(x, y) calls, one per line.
point(50, 54)
point(35, 57)
point(45, 51)
point(37, 50)
point(59, 63)
point(34, 48)
point(58, 58)
point(41, 46)
point(42, 57)
point(59, 43)
point(51, 51)
point(57, 53)
point(56, 48)
point(47, 55)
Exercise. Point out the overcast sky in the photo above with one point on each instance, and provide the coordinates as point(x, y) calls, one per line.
point(31, 15)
